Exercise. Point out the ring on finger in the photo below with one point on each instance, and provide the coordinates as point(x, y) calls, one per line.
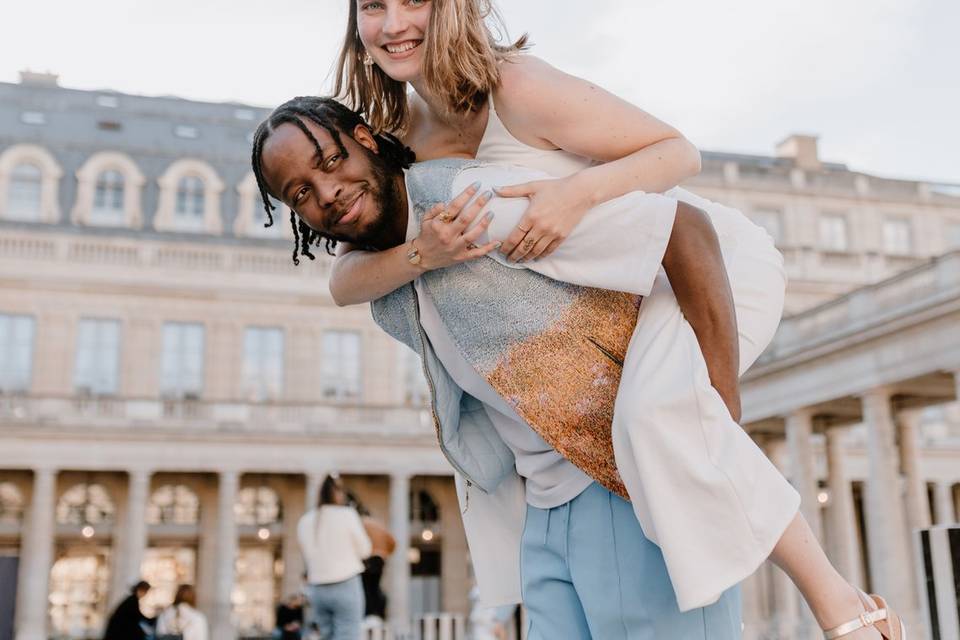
point(522, 229)
point(471, 246)
point(528, 244)
point(444, 217)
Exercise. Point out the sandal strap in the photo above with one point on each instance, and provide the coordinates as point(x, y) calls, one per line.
point(866, 619)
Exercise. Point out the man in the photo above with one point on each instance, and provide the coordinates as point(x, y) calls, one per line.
point(127, 621)
point(526, 364)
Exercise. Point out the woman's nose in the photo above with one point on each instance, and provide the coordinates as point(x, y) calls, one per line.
point(395, 22)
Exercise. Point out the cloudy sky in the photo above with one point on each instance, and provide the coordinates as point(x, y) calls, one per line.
point(877, 80)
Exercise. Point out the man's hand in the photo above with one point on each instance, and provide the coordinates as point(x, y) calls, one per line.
point(694, 265)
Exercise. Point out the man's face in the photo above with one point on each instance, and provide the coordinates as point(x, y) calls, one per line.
point(344, 198)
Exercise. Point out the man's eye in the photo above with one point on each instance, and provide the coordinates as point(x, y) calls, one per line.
point(331, 161)
point(300, 195)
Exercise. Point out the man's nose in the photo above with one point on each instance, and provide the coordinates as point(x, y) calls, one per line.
point(328, 193)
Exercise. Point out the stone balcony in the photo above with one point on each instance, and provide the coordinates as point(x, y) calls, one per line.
point(146, 415)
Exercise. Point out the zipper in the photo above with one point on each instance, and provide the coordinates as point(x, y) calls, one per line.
point(433, 399)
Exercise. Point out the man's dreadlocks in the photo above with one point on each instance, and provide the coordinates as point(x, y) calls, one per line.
point(334, 118)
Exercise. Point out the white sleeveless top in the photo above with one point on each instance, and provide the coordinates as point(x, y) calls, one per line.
point(499, 146)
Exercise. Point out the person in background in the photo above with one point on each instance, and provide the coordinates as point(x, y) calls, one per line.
point(290, 618)
point(382, 544)
point(127, 621)
point(182, 617)
point(334, 545)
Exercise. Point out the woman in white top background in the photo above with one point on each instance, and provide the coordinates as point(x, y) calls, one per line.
point(475, 98)
point(334, 544)
point(182, 618)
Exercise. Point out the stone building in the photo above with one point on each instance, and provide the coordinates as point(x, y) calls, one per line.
point(173, 390)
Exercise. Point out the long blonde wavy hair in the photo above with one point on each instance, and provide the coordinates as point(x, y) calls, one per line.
point(461, 52)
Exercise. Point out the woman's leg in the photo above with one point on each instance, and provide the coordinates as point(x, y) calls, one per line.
point(319, 610)
point(832, 599)
point(693, 472)
point(346, 604)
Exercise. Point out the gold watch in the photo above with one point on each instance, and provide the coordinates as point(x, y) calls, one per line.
point(413, 256)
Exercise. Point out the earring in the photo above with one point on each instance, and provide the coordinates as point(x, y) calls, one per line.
point(367, 59)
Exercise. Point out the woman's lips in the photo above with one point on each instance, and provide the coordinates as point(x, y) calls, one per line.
point(402, 55)
point(354, 211)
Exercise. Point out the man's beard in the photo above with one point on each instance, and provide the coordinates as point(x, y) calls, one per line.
point(387, 228)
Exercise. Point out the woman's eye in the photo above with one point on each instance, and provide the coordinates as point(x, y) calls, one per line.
point(365, 6)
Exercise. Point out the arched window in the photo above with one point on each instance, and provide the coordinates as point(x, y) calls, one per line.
point(85, 504)
point(11, 504)
point(109, 187)
point(258, 506)
point(173, 504)
point(191, 200)
point(251, 215)
point(108, 197)
point(25, 192)
point(29, 178)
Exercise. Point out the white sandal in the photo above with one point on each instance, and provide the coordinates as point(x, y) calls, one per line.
point(881, 617)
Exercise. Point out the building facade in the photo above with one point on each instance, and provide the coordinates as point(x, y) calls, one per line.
point(173, 390)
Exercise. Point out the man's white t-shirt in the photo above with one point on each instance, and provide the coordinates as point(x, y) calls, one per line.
point(551, 480)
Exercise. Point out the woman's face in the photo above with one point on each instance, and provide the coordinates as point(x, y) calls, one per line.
point(392, 31)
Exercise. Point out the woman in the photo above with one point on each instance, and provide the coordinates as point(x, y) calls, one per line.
point(182, 619)
point(473, 98)
point(334, 544)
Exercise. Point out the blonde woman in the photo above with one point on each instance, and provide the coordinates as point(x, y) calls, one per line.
point(475, 99)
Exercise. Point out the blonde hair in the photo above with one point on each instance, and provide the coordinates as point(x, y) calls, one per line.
point(461, 53)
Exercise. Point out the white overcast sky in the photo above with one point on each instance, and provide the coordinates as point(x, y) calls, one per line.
point(877, 80)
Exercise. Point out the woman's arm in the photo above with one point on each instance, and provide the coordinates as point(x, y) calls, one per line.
point(361, 276)
point(545, 107)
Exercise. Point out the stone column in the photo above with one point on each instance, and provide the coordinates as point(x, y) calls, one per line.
point(138, 494)
point(36, 548)
point(292, 558)
point(918, 507)
point(222, 624)
point(312, 490)
point(844, 548)
point(944, 503)
point(803, 466)
point(399, 603)
point(786, 598)
point(888, 545)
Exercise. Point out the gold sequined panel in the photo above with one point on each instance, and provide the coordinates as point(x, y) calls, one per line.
point(563, 382)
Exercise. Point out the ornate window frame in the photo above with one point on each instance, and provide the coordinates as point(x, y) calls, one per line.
point(246, 225)
point(50, 174)
point(166, 216)
point(132, 191)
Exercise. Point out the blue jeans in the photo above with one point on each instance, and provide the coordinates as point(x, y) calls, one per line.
point(337, 608)
point(589, 572)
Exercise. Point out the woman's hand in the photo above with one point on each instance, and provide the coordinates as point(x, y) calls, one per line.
point(556, 207)
point(446, 237)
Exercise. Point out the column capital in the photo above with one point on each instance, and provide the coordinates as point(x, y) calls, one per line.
point(229, 476)
point(877, 394)
point(140, 475)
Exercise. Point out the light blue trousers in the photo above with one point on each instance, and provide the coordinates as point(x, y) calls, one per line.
point(588, 572)
point(337, 608)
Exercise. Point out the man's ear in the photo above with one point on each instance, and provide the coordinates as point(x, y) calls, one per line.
point(363, 135)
